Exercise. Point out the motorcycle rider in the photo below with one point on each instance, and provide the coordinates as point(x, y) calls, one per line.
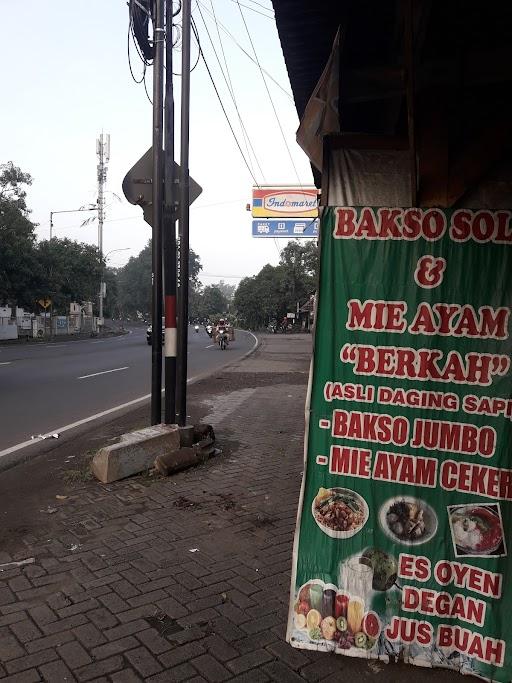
point(222, 334)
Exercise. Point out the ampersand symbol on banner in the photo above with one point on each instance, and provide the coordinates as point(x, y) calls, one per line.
point(429, 271)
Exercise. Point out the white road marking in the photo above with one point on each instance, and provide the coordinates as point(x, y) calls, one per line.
point(104, 413)
point(104, 372)
point(8, 362)
point(209, 347)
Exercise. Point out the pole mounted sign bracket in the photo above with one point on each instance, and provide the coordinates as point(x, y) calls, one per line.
point(138, 182)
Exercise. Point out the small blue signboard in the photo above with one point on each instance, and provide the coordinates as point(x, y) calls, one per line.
point(276, 227)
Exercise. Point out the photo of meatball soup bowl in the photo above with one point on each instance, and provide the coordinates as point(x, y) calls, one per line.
point(340, 513)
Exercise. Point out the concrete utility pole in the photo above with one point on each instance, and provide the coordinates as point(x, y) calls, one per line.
point(103, 153)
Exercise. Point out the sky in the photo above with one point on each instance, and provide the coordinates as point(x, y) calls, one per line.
point(66, 79)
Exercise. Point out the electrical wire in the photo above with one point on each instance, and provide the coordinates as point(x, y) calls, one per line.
point(228, 33)
point(130, 60)
point(269, 9)
point(196, 35)
point(271, 17)
point(135, 217)
point(146, 90)
point(229, 84)
point(269, 95)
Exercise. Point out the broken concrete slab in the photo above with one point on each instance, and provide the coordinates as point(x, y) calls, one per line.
point(134, 452)
point(174, 461)
point(205, 449)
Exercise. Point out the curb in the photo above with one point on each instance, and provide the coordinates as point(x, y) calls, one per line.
point(198, 378)
point(14, 455)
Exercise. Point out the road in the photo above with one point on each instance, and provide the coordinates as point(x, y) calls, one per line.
point(47, 386)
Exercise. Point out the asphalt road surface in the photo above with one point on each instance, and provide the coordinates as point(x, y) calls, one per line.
point(47, 386)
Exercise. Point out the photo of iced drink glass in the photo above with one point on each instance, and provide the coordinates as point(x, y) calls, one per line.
point(316, 593)
point(328, 602)
point(356, 579)
point(341, 605)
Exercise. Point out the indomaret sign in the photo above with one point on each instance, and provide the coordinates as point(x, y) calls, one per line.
point(401, 546)
point(284, 202)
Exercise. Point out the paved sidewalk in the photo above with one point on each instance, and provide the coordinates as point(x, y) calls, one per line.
point(187, 578)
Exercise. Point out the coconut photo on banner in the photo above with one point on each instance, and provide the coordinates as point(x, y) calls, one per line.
point(402, 542)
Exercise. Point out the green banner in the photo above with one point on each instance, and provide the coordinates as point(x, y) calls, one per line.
point(401, 547)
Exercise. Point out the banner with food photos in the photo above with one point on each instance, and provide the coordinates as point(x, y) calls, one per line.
point(401, 546)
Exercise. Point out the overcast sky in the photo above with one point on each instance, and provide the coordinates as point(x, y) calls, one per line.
point(66, 78)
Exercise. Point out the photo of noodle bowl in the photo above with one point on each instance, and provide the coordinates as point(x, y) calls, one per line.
point(477, 530)
point(340, 513)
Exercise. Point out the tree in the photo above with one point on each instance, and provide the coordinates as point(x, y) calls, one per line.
point(276, 290)
point(227, 290)
point(299, 262)
point(17, 239)
point(134, 282)
point(111, 303)
point(68, 271)
point(213, 303)
point(259, 299)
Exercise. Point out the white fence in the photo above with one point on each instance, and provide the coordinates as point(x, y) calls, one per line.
point(8, 329)
point(41, 326)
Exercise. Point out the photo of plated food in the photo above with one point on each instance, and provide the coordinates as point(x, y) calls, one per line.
point(323, 612)
point(477, 530)
point(408, 520)
point(340, 513)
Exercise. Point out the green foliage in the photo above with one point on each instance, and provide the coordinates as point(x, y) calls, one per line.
point(227, 290)
point(110, 303)
point(68, 271)
point(211, 303)
point(134, 283)
point(61, 269)
point(276, 290)
point(17, 238)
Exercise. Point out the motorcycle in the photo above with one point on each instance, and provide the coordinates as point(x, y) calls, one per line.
point(196, 328)
point(209, 330)
point(223, 340)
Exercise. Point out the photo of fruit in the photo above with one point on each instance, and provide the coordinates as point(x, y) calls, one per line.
point(384, 566)
point(341, 622)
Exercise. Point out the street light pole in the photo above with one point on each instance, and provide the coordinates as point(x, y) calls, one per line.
point(82, 208)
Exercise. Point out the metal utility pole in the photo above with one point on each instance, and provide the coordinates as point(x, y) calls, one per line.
point(181, 391)
point(156, 303)
point(169, 232)
point(103, 153)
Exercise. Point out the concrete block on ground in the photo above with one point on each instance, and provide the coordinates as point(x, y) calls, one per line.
point(203, 431)
point(186, 436)
point(176, 460)
point(134, 452)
